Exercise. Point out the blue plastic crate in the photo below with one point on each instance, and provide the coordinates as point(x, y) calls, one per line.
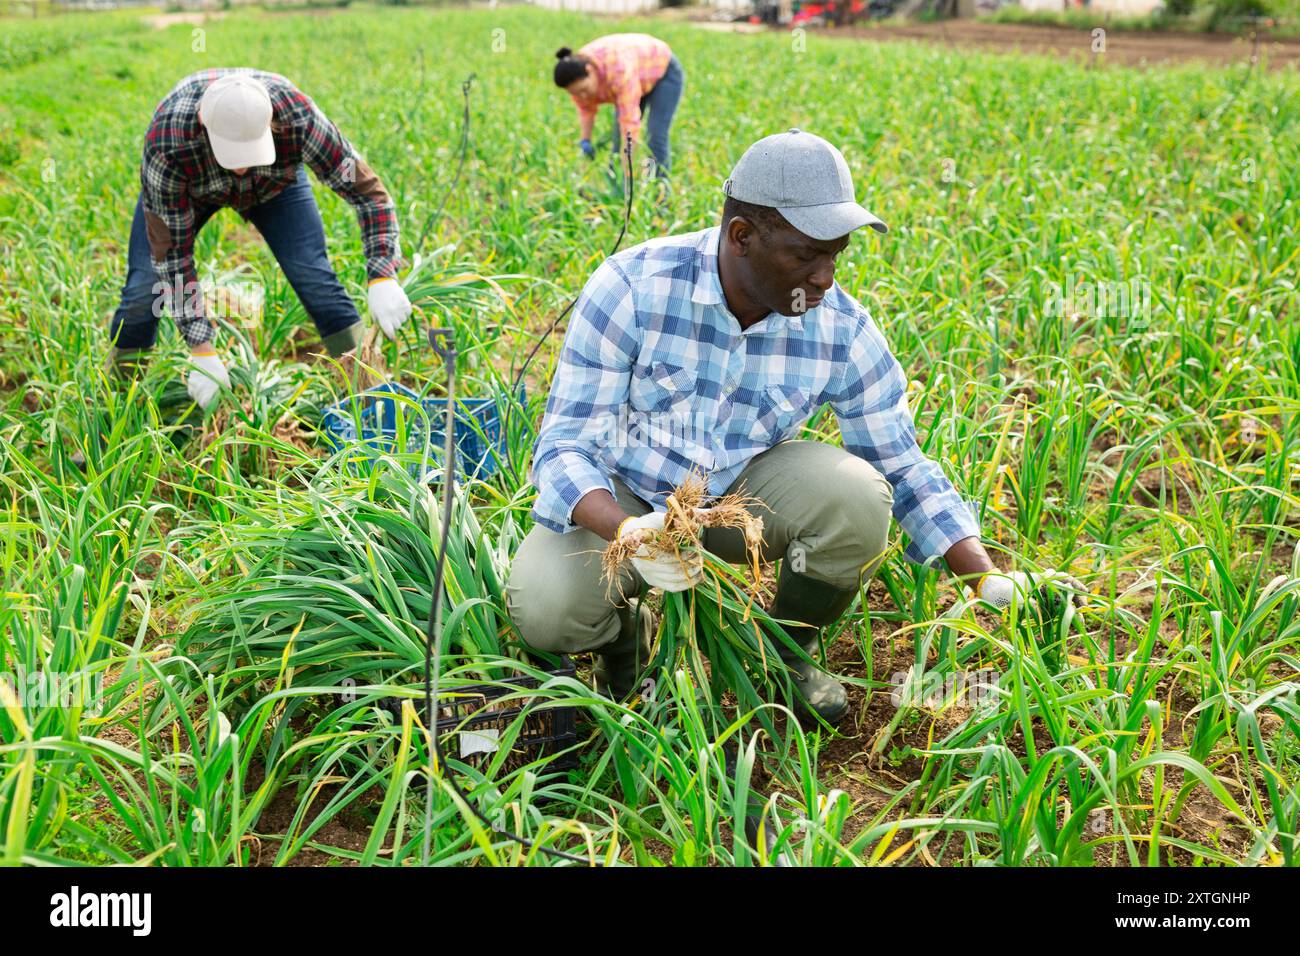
point(477, 455)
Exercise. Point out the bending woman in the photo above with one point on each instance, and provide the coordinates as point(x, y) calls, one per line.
point(634, 71)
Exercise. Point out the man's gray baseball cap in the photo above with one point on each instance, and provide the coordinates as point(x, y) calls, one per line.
point(805, 179)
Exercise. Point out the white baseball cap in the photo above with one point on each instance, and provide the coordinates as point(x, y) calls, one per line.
point(236, 110)
point(804, 178)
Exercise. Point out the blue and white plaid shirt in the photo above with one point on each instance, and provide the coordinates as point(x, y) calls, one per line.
point(656, 378)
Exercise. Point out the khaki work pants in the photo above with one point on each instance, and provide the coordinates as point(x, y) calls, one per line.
point(826, 514)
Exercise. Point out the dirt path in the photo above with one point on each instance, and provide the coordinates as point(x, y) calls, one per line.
point(162, 21)
point(1125, 48)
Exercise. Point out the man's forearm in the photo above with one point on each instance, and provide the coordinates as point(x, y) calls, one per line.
point(598, 511)
point(968, 561)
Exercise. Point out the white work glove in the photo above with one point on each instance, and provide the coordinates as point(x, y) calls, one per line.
point(1045, 588)
point(206, 378)
point(389, 305)
point(667, 571)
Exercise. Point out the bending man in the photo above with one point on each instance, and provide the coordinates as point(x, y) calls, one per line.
point(241, 138)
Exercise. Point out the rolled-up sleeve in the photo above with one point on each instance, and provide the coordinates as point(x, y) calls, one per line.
point(589, 390)
point(877, 426)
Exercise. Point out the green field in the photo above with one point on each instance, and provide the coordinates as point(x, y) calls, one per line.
point(1090, 277)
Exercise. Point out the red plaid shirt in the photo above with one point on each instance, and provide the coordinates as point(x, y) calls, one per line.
point(179, 174)
point(626, 66)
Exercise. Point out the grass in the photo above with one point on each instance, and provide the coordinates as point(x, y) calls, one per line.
point(244, 600)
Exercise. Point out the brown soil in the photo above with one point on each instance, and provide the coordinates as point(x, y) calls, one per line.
point(162, 21)
point(347, 830)
point(871, 768)
point(1126, 48)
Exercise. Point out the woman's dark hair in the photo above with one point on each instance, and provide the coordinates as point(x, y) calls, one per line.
point(569, 67)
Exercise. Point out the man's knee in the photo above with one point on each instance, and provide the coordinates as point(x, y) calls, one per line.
point(871, 509)
point(868, 501)
point(535, 617)
point(851, 523)
point(556, 598)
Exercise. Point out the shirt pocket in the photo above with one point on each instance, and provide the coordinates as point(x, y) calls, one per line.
point(780, 407)
point(664, 388)
point(664, 399)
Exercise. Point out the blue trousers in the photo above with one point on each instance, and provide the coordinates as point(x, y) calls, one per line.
point(291, 225)
point(661, 102)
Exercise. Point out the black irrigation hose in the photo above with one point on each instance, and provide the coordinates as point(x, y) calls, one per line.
point(460, 163)
point(444, 343)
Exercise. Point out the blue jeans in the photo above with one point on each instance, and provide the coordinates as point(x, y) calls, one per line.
point(662, 102)
point(291, 225)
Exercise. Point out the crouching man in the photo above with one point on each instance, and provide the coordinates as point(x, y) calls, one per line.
point(711, 349)
point(241, 138)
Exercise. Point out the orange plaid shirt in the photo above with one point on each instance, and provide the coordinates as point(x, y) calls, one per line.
point(626, 67)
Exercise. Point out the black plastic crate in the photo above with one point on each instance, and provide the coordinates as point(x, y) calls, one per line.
point(466, 715)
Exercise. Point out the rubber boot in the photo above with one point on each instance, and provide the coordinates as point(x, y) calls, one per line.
point(619, 663)
point(801, 598)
